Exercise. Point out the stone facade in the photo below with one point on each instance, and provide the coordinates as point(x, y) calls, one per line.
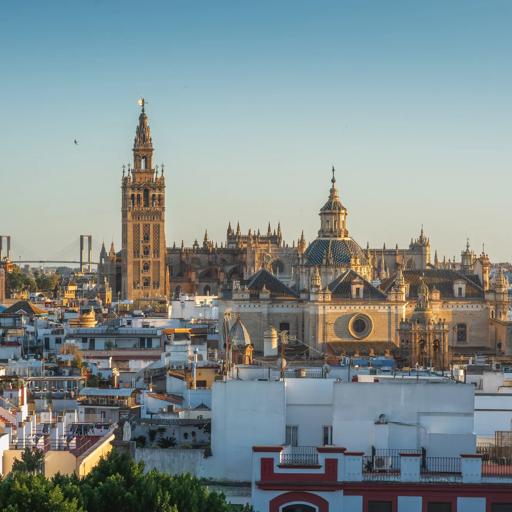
point(143, 255)
point(338, 302)
point(205, 269)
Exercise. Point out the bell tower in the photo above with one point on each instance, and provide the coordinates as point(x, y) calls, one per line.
point(144, 272)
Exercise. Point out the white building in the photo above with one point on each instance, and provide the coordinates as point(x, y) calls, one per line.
point(390, 416)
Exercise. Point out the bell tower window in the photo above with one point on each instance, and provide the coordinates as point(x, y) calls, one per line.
point(143, 163)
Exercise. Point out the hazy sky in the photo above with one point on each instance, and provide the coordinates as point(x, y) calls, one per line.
point(250, 103)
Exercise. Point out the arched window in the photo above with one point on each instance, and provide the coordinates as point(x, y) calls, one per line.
point(146, 197)
point(143, 163)
point(133, 200)
point(145, 267)
point(138, 199)
point(153, 200)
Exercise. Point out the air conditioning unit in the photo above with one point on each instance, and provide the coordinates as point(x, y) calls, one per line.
point(382, 463)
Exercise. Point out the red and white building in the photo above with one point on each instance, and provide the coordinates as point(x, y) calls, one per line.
point(332, 479)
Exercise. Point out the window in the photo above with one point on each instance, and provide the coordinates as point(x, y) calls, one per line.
point(146, 282)
point(145, 267)
point(359, 326)
point(292, 435)
point(327, 435)
point(459, 292)
point(201, 384)
point(146, 250)
point(58, 340)
point(462, 333)
point(501, 507)
point(439, 506)
point(380, 506)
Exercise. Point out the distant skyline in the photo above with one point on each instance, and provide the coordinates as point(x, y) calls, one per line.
point(250, 104)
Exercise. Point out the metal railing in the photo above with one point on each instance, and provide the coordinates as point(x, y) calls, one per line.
point(500, 467)
point(299, 456)
point(381, 467)
point(441, 468)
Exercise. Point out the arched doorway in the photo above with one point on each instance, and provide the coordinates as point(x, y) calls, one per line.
point(298, 502)
point(299, 507)
point(207, 290)
point(177, 292)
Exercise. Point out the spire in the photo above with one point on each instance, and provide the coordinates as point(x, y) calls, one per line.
point(143, 133)
point(279, 229)
point(238, 232)
point(269, 229)
point(333, 192)
point(302, 243)
point(230, 229)
point(142, 144)
point(112, 252)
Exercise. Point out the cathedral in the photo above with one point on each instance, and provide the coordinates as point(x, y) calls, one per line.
point(331, 295)
point(346, 300)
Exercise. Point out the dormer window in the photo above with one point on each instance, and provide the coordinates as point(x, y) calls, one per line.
point(357, 290)
point(459, 289)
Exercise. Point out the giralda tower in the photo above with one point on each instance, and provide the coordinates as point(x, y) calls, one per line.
point(144, 273)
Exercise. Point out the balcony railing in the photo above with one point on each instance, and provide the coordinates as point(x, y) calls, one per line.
point(498, 468)
point(441, 469)
point(299, 456)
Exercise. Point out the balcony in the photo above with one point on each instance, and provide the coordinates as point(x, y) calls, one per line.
point(299, 456)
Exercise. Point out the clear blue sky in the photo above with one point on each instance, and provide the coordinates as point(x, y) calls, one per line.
point(250, 103)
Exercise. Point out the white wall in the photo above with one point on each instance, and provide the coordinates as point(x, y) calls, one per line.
point(245, 414)
point(413, 411)
point(309, 406)
point(492, 412)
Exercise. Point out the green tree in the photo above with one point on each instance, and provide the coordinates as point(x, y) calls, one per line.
point(17, 281)
point(116, 483)
point(32, 461)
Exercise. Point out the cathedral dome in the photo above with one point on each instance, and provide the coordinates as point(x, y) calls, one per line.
point(334, 251)
point(239, 334)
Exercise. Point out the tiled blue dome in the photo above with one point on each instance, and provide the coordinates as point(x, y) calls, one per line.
point(340, 251)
